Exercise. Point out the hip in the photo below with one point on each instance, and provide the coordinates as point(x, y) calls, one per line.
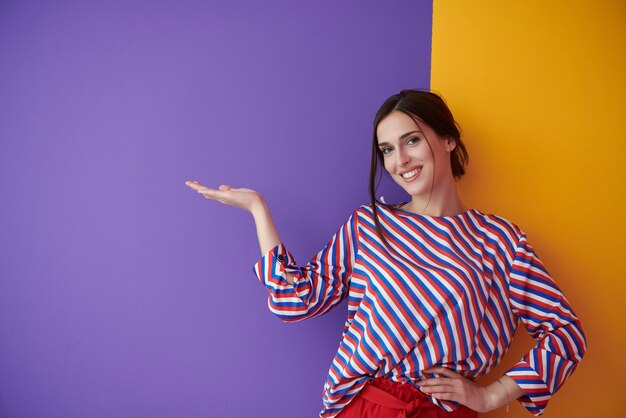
point(383, 398)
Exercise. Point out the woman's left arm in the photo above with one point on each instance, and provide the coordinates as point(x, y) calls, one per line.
point(540, 305)
point(548, 317)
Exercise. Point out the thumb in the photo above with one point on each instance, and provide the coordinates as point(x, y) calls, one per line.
point(224, 187)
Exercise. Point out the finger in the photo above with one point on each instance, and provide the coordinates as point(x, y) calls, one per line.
point(194, 184)
point(446, 396)
point(211, 193)
point(225, 187)
point(438, 381)
point(443, 371)
point(437, 389)
point(428, 382)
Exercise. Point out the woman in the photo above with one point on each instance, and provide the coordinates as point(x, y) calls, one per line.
point(435, 289)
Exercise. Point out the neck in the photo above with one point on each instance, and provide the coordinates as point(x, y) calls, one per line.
point(445, 201)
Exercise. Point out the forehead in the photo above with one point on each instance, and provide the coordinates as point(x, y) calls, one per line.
point(396, 124)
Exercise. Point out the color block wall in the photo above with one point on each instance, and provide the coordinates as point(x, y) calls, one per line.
point(540, 92)
point(124, 294)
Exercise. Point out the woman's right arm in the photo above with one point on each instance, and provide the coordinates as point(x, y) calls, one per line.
point(254, 203)
point(295, 293)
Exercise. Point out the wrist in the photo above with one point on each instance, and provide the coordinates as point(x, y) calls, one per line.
point(259, 207)
point(494, 397)
point(506, 394)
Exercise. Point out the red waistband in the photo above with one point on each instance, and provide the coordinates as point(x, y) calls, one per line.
point(395, 395)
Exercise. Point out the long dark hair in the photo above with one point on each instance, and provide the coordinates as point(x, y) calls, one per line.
point(429, 108)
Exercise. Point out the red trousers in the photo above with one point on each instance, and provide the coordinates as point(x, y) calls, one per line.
point(382, 398)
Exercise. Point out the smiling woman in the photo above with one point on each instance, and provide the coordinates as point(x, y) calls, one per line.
point(435, 290)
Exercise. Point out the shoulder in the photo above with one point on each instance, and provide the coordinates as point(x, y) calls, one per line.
point(367, 208)
point(365, 212)
point(497, 226)
point(361, 213)
point(357, 215)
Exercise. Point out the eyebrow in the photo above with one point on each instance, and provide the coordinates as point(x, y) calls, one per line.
point(380, 144)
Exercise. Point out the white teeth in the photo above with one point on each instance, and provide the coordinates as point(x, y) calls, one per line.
point(411, 173)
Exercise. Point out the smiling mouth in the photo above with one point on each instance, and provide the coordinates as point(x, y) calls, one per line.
point(411, 174)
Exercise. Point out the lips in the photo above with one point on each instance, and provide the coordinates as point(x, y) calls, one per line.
point(410, 175)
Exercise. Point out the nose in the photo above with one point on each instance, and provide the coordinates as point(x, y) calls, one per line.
point(402, 157)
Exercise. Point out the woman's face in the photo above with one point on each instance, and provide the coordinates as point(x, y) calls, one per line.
point(407, 156)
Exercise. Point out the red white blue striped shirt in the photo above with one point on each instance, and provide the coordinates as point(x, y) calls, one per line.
point(449, 291)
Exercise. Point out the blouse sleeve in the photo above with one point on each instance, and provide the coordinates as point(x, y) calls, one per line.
point(318, 286)
point(549, 319)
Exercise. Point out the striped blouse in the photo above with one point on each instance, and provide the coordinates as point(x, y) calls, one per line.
point(449, 291)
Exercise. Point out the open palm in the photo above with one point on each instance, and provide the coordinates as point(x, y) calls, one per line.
point(239, 197)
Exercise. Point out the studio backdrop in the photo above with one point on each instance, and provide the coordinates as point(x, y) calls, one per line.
point(125, 294)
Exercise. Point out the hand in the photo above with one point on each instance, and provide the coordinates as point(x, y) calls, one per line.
point(242, 198)
point(455, 387)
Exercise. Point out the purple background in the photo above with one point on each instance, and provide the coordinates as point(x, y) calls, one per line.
point(123, 293)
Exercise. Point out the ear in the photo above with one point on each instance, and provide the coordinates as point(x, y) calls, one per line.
point(450, 144)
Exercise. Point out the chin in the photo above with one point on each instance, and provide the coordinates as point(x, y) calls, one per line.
point(418, 192)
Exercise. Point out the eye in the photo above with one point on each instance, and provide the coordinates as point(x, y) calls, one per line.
point(386, 150)
point(413, 140)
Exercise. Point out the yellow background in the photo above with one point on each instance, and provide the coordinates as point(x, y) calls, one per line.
point(538, 88)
